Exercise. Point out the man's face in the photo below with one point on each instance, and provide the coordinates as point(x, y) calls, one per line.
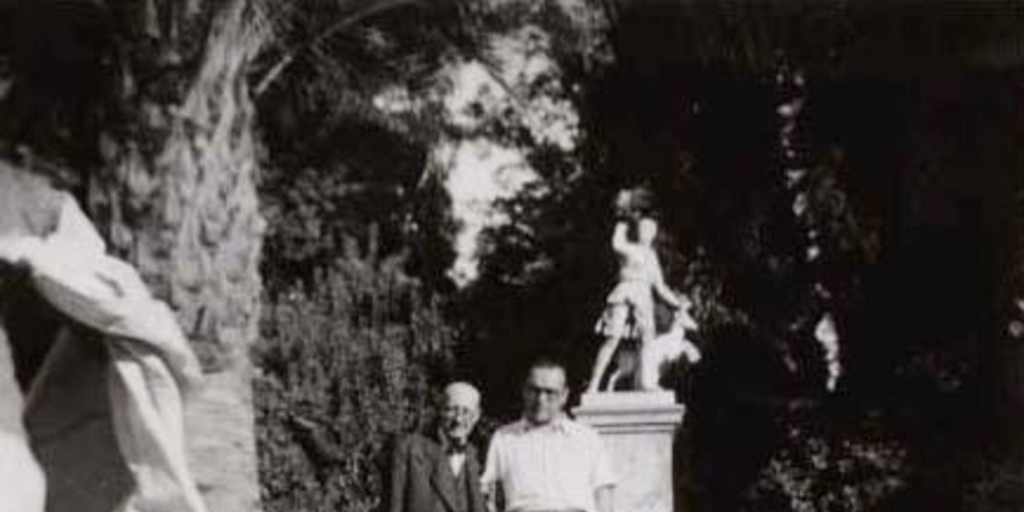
point(544, 395)
point(460, 412)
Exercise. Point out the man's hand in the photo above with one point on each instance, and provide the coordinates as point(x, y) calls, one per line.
point(604, 498)
point(493, 497)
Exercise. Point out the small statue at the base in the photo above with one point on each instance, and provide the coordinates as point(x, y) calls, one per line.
point(629, 311)
point(658, 355)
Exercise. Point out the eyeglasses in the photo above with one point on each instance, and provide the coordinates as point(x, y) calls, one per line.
point(458, 411)
point(532, 389)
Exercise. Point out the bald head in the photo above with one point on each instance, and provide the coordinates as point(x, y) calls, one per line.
point(460, 411)
point(462, 393)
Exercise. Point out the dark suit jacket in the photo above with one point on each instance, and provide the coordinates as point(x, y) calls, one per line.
point(422, 480)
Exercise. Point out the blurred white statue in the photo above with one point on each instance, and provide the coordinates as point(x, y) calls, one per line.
point(147, 364)
point(629, 308)
point(667, 348)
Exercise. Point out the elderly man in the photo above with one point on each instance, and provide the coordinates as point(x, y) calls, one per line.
point(546, 462)
point(438, 471)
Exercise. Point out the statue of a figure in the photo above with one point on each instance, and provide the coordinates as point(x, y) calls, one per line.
point(97, 424)
point(27, 207)
point(629, 308)
point(658, 355)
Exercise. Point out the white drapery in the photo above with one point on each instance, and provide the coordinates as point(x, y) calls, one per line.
point(150, 357)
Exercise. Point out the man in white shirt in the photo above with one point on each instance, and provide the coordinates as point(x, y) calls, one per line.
point(546, 462)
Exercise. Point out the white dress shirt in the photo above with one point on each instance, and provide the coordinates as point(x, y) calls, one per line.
point(557, 466)
point(457, 461)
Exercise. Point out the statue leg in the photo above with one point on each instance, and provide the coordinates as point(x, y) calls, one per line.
point(22, 484)
point(613, 379)
point(613, 326)
point(604, 357)
point(648, 374)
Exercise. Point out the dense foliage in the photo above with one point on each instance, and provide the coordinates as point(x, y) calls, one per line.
point(344, 366)
point(341, 154)
point(796, 179)
point(800, 173)
point(807, 161)
point(144, 111)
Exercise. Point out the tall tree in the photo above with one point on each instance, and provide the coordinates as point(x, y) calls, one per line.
point(148, 102)
point(349, 96)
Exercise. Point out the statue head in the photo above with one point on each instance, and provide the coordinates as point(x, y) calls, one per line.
point(647, 230)
point(634, 202)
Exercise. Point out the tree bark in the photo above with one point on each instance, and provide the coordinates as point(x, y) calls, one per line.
point(176, 196)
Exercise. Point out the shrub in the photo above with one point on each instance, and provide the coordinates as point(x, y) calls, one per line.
point(996, 483)
point(814, 472)
point(343, 367)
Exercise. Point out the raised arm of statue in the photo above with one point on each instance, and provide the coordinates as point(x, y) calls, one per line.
point(619, 241)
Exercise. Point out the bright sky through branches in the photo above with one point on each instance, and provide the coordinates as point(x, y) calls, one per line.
point(480, 169)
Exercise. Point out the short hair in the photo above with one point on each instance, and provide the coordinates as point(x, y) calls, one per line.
point(463, 386)
point(548, 362)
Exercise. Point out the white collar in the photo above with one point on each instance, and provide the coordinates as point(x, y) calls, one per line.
point(559, 424)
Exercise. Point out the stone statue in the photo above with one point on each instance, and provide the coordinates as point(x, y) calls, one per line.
point(629, 308)
point(92, 368)
point(657, 355)
point(22, 483)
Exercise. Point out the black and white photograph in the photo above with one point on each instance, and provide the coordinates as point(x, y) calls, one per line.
point(511, 256)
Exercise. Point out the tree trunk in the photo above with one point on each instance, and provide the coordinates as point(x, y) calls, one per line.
point(177, 198)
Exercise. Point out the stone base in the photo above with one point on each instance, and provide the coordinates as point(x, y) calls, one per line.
point(638, 428)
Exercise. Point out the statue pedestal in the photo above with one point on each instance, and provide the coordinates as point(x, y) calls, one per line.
point(638, 428)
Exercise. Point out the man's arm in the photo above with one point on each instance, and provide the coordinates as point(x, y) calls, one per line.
point(399, 476)
point(489, 485)
point(602, 477)
point(604, 498)
point(496, 499)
